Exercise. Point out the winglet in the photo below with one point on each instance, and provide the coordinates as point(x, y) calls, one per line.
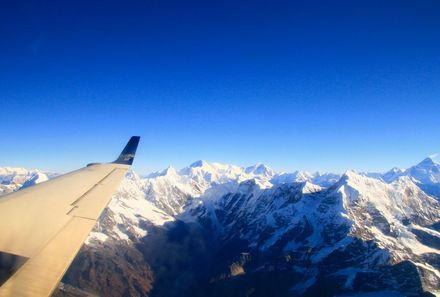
point(127, 155)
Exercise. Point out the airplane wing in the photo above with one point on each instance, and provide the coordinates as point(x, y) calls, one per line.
point(43, 227)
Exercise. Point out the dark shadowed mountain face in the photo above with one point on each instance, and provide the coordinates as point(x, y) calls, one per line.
point(222, 230)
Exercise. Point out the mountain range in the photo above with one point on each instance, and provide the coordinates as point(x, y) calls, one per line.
point(223, 230)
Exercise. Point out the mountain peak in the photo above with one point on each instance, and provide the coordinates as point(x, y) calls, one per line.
point(170, 171)
point(260, 169)
point(349, 174)
point(166, 172)
point(395, 170)
point(429, 161)
point(308, 187)
point(426, 172)
point(353, 178)
point(199, 163)
point(36, 178)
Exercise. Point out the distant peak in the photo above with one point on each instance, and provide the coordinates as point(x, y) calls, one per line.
point(351, 175)
point(396, 169)
point(259, 168)
point(199, 163)
point(358, 181)
point(169, 170)
point(166, 172)
point(303, 175)
point(429, 161)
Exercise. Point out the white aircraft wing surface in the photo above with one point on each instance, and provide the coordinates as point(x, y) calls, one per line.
point(42, 227)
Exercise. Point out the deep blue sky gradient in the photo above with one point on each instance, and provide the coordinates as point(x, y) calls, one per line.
point(309, 85)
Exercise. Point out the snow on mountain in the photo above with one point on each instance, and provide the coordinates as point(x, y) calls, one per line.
point(164, 195)
point(426, 175)
point(172, 190)
point(358, 232)
point(291, 219)
point(207, 174)
point(426, 172)
point(392, 174)
point(35, 178)
point(6, 172)
point(387, 213)
point(129, 214)
point(355, 200)
point(12, 179)
point(260, 170)
point(161, 196)
point(317, 178)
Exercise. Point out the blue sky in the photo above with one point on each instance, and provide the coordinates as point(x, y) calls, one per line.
point(293, 84)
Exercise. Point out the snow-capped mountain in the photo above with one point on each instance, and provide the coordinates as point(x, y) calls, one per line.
point(223, 230)
point(392, 174)
point(259, 223)
point(260, 170)
point(426, 174)
point(12, 179)
point(317, 178)
point(379, 224)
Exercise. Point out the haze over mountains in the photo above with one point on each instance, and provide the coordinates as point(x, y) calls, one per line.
point(222, 230)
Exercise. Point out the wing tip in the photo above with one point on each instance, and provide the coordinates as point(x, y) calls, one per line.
point(127, 155)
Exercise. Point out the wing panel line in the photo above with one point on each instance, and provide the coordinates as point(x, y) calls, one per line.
point(91, 189)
